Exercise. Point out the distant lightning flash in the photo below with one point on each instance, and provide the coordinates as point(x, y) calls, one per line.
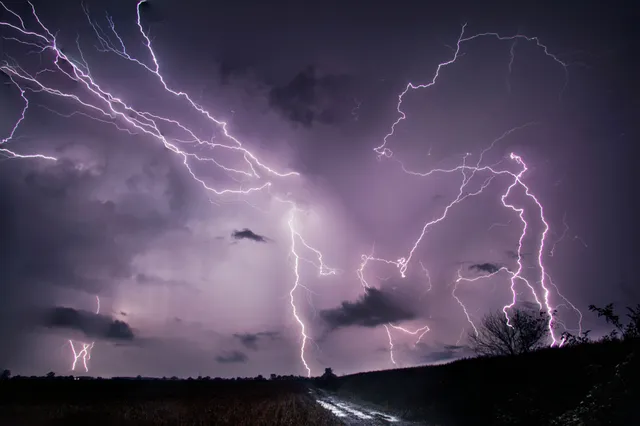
point(468, 173)
point(85, 352)
point(564, 233)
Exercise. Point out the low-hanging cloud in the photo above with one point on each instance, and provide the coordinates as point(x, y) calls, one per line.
point(232, 357)
point(374, 308)
point(91, 324)
point(489, 268)
point(248, 234)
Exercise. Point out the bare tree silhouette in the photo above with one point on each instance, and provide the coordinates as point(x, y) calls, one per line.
point(525, 331)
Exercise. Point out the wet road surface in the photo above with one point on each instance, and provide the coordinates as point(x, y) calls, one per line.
point(353, 414)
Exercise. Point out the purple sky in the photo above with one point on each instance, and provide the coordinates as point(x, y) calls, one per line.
point(313, 90)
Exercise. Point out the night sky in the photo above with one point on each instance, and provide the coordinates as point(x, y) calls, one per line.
point(190, 282)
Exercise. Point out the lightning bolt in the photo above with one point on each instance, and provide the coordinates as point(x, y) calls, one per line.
point(85, 352)
point(297, 242)
point(360, 274)
point(103, 105)
point(383, 151)
point(100, 104)
point(97, 103)
point(468, 172)
point(12, 154)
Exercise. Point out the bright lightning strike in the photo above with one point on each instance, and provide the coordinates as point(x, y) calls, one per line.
point(468, 173)
point(422, 330)
point(98, 103)
point(12, 154)
point(108, 107)
point(297, 242)
point(85, 352)
point(101, 105)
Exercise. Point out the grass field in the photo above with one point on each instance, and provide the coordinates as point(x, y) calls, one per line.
point(590, 384)
point(140, 402)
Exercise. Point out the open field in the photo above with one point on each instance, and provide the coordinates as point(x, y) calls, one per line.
point(588, 384)
point(158, 402)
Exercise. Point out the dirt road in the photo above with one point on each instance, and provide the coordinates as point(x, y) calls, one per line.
point(353, 414)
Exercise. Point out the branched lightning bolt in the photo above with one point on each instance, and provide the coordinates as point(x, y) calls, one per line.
point(468, 172)
point(12, 154)
point(101, 105)
point(99, 101)
point(382, 149)
point(461, 278)
point(422, 330)
point(297, 241)
point(85, 352)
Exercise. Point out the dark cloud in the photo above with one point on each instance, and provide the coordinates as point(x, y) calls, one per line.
point(248, 234)
point(374, 308)
point(232, 357)
point(311, 98)
point(91, 324)
point(489, 268)
point(250, 340)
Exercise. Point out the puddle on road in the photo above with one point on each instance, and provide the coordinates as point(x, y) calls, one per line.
point(340, 409)
point(334, 410)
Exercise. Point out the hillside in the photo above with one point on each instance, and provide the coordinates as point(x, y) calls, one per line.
point(588, 384)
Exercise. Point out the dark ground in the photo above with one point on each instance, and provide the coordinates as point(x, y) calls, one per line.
point(26, 402)
point(589, 384)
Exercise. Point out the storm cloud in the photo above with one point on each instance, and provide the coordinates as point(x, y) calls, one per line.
point(120, 215)
point(374, 308)
point(489, 268)
point(248, 234)
point(91, 324)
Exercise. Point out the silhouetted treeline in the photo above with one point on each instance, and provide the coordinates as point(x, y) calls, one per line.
point(6, 375)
